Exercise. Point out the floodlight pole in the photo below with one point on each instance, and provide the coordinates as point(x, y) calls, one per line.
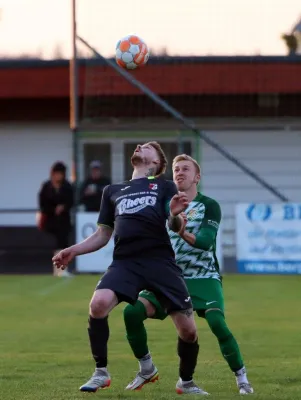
point(73, 74)
point(74, 118)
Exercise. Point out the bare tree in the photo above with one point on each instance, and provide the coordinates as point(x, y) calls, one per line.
point(58, 53)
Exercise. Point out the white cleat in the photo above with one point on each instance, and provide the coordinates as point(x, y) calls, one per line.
point(189, 388)
point(99, 380)
point(245, 388)
point(141, 380)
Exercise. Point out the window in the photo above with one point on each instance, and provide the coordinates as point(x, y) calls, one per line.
point(171, 149)
point(100, 152)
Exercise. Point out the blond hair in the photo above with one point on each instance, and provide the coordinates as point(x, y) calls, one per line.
point(185, 157)
point(162, 157)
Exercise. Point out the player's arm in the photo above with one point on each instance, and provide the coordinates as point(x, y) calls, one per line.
point(206, 236)
point(105, 227)
point(175, 220)
point(94, 242)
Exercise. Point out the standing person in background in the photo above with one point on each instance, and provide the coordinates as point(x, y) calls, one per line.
point(92, 188)
point(55, 202)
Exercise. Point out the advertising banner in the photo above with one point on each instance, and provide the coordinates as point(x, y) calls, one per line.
point(99, 261)
point(268, 238)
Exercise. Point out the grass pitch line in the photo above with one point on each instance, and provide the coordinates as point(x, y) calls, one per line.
point(61, 281)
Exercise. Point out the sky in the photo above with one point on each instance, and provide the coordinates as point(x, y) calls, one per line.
point(184, 27)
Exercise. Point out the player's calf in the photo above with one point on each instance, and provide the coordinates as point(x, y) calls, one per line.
point(188, 350)
point(102, 302)
point(134, 317)
point(229, 348)
point(188, 347)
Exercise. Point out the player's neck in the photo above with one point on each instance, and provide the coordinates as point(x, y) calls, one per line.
point(191, 193)
point(143, 172)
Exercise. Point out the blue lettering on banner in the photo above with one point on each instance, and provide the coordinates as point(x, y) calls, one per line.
point(269, 267)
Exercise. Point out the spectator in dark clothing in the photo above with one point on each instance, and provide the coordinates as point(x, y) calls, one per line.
point(56, 201)
point(91, 190)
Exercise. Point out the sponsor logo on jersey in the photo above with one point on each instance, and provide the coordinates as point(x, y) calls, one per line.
point(131, 206)
point(153, 186)
point(192, 214)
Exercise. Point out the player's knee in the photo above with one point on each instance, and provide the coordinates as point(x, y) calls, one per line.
point(149, 308)
point(102, 303)
point(98, 308)
point(185, 325)
point(188, 335)
point(187, 331)
point(135, 314)
point(132, 314)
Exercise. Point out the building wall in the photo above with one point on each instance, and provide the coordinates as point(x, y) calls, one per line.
point(274, 154)
point(27, 152)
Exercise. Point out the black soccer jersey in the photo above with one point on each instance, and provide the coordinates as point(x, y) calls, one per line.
point(137, 211)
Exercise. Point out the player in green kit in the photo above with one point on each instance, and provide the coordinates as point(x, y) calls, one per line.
point(195, 249)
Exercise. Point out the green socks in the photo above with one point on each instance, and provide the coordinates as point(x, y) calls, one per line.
point(227, 342)
point(134, 317)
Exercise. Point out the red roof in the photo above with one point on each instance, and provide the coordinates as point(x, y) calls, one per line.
point(178, 76)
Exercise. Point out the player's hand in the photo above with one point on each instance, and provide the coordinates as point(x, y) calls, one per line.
point(178, 203)
point(63, 258)
point(182, 230)
point(89, 191)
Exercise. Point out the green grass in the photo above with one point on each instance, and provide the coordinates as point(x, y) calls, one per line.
point(44, 351)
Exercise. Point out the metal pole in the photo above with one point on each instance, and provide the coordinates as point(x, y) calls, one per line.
point(74, 105)
point(73, 73)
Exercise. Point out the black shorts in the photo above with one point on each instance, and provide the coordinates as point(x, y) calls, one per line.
point(161, 276)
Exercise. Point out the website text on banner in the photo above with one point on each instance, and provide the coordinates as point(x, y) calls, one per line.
point(268, 238)
point(99, 261)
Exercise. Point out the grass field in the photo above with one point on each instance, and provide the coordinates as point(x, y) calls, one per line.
point(44, 352)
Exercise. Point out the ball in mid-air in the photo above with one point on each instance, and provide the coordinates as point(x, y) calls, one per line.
point(131, 52)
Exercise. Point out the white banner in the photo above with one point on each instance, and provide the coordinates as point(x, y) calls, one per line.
point(268, 238)
point(99, 261)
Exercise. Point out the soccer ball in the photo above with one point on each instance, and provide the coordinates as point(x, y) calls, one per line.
point(131, 52)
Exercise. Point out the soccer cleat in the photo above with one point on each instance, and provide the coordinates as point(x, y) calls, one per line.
point(245, 388)
point(189, 388)
point(99, 380)
point(141, 380)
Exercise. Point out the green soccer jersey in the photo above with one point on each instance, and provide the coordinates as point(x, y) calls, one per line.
point(203, 215)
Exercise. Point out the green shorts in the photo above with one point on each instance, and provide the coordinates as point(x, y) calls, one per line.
point(205, 293)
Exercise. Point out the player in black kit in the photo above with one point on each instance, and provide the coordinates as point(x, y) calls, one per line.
point(143, 258)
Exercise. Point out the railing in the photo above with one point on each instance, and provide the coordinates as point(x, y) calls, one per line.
point(12, 217)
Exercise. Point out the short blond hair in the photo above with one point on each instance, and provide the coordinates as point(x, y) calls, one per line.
point(185, 157)
point(162, 157)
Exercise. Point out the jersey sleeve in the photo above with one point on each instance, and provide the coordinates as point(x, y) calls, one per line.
point(170, 191)
point(206, 236)
point(106, 213)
